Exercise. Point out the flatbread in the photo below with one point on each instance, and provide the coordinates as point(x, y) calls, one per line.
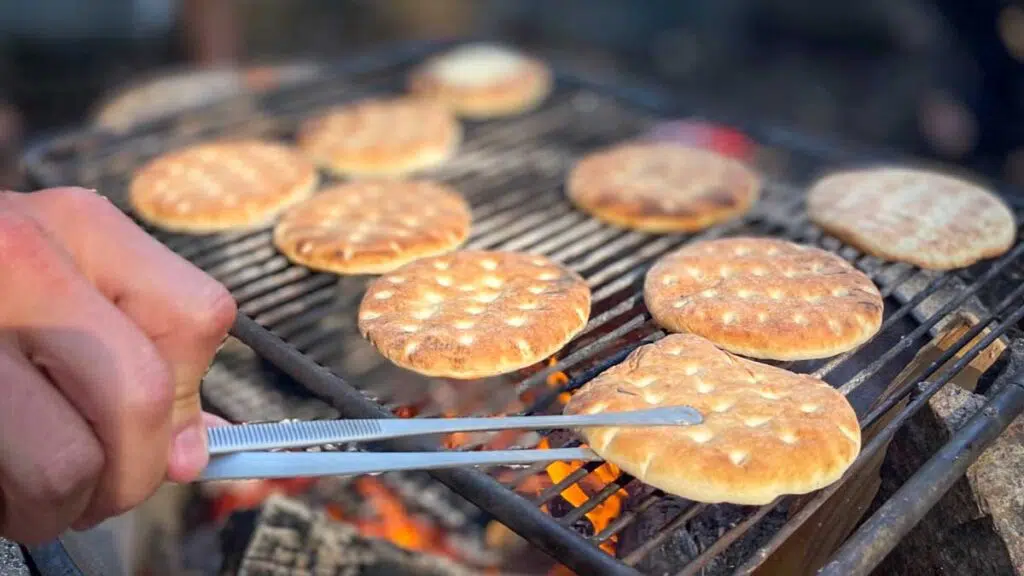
point(766, 431)
point(474, 314)
point(220, 186)
point(764, 298)
point(382, 137)
point(927, 219)
point(371, 227)
point(483, 80)
point(662, 187)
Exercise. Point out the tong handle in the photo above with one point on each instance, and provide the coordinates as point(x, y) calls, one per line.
point(253, 437)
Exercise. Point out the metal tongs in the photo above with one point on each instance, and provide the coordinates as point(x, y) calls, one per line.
point(244, 451)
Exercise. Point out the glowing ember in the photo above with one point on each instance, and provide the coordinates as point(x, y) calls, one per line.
point(603, 513)
point(557, 380)
point(391, 521)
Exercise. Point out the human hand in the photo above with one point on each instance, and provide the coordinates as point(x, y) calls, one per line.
point(105, 335)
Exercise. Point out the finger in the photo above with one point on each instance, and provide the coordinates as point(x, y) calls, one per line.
point(49, 459)
point(100, 361)
point(185, 312)
point(214, 421)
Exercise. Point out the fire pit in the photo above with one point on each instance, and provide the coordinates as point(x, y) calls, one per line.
point(298, 354)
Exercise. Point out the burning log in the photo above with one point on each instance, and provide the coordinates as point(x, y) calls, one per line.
point(287, 537)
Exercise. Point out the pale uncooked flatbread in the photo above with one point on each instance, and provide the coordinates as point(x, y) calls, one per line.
point(483, 80)
point(923, 218)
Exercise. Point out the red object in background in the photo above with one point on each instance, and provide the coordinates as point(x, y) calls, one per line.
point(721, 139)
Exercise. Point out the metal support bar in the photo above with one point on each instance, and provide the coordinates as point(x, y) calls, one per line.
point(541, 530)
point(890, 523)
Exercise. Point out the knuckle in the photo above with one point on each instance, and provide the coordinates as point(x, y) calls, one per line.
point(213, 315)
point(22, 240)
point(64, 475)
point(149, 389)
point(75, 200)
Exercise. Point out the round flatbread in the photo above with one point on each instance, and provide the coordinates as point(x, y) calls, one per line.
point(372, 227)
point(922, 218)
point(483, 80)
point(764, 298)
point(219, 186)
point(474, 314)
point(382, 137)
point(766, 431)
point(662, 187)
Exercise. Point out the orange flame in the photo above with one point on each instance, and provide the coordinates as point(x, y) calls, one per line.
point(392, 521)
point(603, 513)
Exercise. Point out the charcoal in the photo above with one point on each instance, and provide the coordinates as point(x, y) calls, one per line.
point(291, 539)
point(688, 542)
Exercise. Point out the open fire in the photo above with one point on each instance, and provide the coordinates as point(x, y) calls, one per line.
point(377, 511)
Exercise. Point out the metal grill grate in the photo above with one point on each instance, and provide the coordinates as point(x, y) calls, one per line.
point(511, 171)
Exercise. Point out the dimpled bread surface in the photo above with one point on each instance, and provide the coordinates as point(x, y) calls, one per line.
point(764, 298)
point(473, 314)
point(922, 218)
point(662, 187)
point(371, 227)
point(766, 431)
point(382, 137)
point(483, 80)
point(220, 186)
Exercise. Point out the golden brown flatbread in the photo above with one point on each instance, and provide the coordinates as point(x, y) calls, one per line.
point(219, 186)
point(766, 431)
point(382, 137)
point(473, 314)
point(764, 298)
point(371, 227)
point(662, 187)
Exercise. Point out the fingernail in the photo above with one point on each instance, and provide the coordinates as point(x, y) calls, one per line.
point(188, 454)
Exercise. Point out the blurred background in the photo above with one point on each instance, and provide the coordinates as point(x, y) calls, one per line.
point(934, 78)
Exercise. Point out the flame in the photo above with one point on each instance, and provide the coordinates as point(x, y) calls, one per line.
point(557, 380)
point(603, 513)
point(390, 520)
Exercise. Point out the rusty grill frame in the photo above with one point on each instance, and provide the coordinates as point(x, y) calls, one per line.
point(526, 210)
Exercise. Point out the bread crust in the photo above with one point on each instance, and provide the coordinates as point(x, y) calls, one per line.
point(382, 137)
point(764, 298)
point(662, 187)
point(221, 186)
point(515, 93)
point(927, 219)
point(372, 227)
point(473, 314)
point(766, 431)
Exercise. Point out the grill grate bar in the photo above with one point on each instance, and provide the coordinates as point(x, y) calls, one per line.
point(512, 172)
point(898, 314)
point(580, 511)
point(551, 492)
point(946, 356)
point(1006, 303)
point(882, 437)
point(689, 513)
point(862, 376)
point(732, 535)
point(627, 518)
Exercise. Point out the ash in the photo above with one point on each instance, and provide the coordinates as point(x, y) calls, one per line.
point(698, 535)
point(291, 539)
